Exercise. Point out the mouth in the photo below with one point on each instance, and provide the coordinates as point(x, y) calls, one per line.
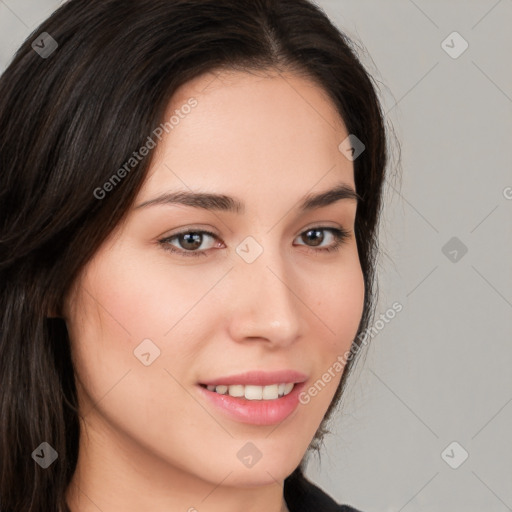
point(261, 405)
point(256, 397)
point(253, 392)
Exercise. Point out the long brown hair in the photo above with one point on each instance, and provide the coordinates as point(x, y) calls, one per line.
point(69, 119)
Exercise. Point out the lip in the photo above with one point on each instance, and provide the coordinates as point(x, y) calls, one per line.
point(255, 412)
point(259, 378)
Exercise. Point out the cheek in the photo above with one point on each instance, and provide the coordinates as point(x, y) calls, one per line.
point(340, 309)
point(118, 308)
point(132, 297)
point(124, 300)
point(340, 306)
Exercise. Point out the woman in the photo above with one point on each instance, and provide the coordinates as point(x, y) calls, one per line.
point(190, 193)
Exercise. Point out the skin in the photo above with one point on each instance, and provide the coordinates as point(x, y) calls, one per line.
point(149, 439)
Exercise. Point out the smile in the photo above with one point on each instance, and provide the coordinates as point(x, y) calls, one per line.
point(251, 392)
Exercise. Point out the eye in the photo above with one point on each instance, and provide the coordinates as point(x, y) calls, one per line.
point(191, 240)
point(315, 235)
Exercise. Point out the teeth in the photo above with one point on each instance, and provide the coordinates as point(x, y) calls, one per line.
point(288, 387)
point(236, 390)
point(269, 392)
point(249, 392)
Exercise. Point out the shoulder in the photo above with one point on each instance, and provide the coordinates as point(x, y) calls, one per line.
point(301, 495)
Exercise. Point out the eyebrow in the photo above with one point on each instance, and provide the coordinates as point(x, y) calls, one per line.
point(221, 202)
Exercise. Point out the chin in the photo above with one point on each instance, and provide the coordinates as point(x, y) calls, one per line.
point(256, 477)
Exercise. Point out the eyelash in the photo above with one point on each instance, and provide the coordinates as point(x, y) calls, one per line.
point(340, 236)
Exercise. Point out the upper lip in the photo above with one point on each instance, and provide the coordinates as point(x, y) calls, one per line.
point(258, 378)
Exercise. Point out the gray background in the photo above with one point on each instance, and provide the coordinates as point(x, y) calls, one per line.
point(440, 371)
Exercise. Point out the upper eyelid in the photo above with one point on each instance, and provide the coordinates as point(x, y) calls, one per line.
point(211, 232)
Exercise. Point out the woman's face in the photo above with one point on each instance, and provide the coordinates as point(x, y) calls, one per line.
point(149, 327)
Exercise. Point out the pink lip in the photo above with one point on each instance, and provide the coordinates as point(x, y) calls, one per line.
point(258, 378)
point(256, 412)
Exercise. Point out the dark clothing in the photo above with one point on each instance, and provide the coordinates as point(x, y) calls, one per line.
point(301, 495)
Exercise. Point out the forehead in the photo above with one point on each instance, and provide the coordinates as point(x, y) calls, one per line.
point(250, 132)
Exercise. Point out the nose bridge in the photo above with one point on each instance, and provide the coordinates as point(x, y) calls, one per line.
point(266, 304)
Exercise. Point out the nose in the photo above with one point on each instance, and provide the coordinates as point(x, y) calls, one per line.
point(265, 305)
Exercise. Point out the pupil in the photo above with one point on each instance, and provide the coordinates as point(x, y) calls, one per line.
point(316, 240)
point(194, 243)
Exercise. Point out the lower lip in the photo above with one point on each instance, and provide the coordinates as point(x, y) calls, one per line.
point(256, 412)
